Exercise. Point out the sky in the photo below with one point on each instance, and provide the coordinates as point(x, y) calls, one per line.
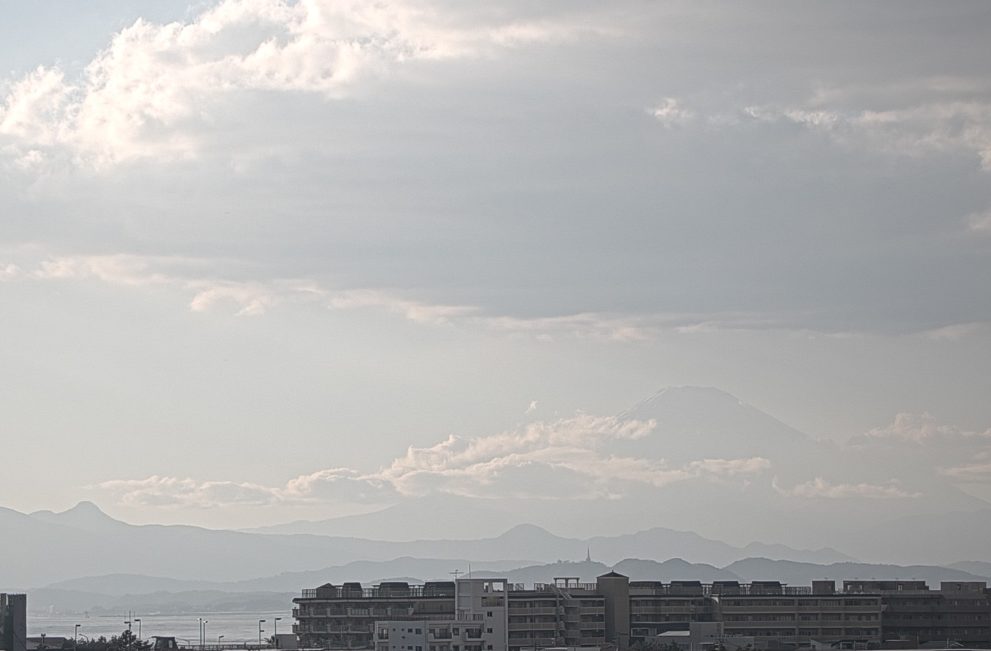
point(257, 255)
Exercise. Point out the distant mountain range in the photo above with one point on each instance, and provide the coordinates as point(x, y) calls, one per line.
point(84, 541)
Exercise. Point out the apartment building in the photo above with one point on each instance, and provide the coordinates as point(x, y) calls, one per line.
point(476, 614)
point(344, 616)
point(798, 615)
point(480, 622)
point(960, 611)
point(657, 608)
point(483, 612)
point(566, 613)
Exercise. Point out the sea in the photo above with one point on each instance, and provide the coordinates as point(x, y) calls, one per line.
point(234, 627)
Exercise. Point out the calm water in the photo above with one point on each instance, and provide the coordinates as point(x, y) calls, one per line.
point(235, 627)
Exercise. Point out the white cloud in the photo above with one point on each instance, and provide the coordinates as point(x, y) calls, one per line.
point(412, 310)
point(128, 270)
point(246, 289)
point(980, 222)
point(338, 485)
point(979, 473)
point(671, 113)
point(820, 488)
point(937, 125)
point(252, 297)
point(921, 429)
point(332, 485)
point(157, 86)
point(563, 459)
point(610, 327)
point(171, 492)
point(10, 271)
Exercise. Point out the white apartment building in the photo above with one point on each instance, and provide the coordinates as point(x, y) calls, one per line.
point(480, 623)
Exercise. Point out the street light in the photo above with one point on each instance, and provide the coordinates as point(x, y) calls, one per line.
point(138, 620)
point(219, 638)
point(75, 636)
point(260, 631)
point(276, 620)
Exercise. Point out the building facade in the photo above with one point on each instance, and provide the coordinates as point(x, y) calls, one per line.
point(476, 614)
point(480, 622)
point(960, 611)
point(492, 612)
point(13, 622)
point(344, 617)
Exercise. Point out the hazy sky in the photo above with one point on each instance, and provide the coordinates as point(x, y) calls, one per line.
point(252, 250)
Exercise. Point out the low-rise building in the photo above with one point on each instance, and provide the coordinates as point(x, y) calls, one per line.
point(797, 615)
point(614, 612)
point(480, 622)
point(959, 612)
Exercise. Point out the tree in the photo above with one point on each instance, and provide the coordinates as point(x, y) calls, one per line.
point(126, 641)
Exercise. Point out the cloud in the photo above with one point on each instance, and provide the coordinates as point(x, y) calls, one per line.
point(156, 87)
point(564, 459)
point(172, 492)
point(929, 126)
point(209, 290)
point(978, 473)
point(248, 297)
point(333, 485)
point(980, 222)
point(412, 310)
point(10, 271)
point(339, 485)
point(956, 331)
point(920, 429)
point(820, 488)
point(672, 113)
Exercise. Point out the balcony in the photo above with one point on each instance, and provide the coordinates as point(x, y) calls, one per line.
point(533, 626)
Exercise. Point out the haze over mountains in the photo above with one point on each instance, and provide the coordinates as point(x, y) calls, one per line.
point(685, 455)
point(84, 541)
point(707, 462)
point(172, 569)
